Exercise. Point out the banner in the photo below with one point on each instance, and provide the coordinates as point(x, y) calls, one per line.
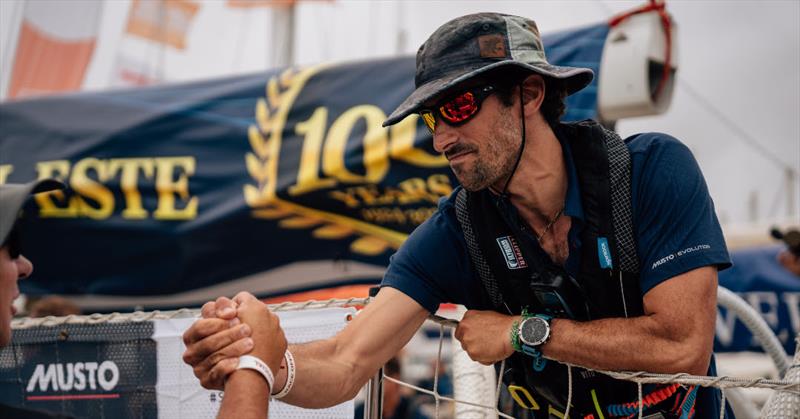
point(770, 289)
point(55, 46)
point(134, 369)
point(274, 183)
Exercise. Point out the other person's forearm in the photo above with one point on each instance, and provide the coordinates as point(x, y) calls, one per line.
point(246, 396)
point(322, 378)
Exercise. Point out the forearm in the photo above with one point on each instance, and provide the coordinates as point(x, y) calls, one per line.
point(323, 378)
point(332, 371)
point(630, 344)
point(246, 396)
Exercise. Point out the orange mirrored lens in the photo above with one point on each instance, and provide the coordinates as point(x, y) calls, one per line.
point(460, 108)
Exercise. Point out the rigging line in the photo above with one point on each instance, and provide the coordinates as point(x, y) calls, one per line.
point(741, 133)
point(780, 192)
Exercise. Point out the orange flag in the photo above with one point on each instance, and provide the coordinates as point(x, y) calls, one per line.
point(163, 21)
point(55, 46)
point(260, 3)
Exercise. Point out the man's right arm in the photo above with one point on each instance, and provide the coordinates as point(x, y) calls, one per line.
point(330, 371)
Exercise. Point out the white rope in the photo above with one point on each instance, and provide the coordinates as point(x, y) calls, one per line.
point(643, 377)
point(140, 316)
point(569, 392)
point(721, 382)
point(722, 404)
point(436, 369)
point(641, 397)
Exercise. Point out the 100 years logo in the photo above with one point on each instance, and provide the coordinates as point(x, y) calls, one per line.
point(378, 214)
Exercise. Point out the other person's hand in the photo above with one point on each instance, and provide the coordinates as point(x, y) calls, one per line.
point(484, 335)
point(267, 335)
point(215, 342)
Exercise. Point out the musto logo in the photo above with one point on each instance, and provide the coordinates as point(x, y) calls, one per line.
point(84, 377)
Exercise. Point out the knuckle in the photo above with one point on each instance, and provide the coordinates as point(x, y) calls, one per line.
point(199, 372)
point(216, 357)
point(207, 310)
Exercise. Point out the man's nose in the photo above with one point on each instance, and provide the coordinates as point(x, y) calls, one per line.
point(443, 137)
point(24, 267)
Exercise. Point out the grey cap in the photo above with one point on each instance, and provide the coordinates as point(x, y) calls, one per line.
point(13, 197)
point(474, 44)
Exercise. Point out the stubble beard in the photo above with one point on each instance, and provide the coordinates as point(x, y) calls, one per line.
point(494, 162)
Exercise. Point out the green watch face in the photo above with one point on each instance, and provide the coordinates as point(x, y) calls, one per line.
point(534, 331)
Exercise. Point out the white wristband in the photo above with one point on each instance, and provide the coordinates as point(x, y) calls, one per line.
point(290, 373)
point(252, 363)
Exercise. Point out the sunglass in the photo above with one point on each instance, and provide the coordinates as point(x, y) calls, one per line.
point(13, 244)
point(458, 109)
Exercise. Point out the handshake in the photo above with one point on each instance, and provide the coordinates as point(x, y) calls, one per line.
point(228, 330)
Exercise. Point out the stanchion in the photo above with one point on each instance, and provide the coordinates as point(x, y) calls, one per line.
point(373, 405)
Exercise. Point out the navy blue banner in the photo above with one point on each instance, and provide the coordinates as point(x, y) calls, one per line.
point(284, 180)
point(92, 371)
point(770, 289)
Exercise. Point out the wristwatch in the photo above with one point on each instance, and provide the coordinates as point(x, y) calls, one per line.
point(534, 331)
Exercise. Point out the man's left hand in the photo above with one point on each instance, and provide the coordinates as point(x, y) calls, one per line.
point(485, 335)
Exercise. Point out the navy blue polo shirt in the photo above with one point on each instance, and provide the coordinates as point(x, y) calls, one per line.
point(675, 227)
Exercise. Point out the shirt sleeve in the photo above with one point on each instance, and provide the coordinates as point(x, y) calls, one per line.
point(676, 227)
point(431, 262)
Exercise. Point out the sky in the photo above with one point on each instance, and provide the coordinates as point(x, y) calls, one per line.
point(736, 102)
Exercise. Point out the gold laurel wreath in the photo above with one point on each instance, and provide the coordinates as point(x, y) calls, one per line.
point(265, 138)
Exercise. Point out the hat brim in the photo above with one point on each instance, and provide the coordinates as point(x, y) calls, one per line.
point(13, 197)
point(575, 79)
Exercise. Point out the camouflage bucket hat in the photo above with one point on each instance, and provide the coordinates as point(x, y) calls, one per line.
point(471, 45)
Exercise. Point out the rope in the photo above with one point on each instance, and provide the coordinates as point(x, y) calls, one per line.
point(643, 377)
point(140, 316)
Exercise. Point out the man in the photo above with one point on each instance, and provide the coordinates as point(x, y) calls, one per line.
point(565, 244)
point(13, 267)
point(789, 257)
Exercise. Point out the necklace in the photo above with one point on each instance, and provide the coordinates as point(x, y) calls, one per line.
point(550, 224)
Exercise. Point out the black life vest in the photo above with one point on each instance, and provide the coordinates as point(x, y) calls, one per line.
point(512, 276)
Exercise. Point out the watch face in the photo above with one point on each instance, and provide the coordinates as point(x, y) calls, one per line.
point(534, 331)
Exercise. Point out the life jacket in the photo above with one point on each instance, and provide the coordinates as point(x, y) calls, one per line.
point(517, 273)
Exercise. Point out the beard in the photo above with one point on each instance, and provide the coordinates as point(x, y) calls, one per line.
point(493, 160)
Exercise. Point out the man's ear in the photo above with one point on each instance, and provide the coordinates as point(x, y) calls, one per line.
point(533, 91)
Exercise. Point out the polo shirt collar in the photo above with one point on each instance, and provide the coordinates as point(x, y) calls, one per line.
point(572, 204)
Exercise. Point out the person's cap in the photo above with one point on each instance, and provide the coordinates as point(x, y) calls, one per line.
point(789, 237)
point(472, 45)
point(13, 197)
